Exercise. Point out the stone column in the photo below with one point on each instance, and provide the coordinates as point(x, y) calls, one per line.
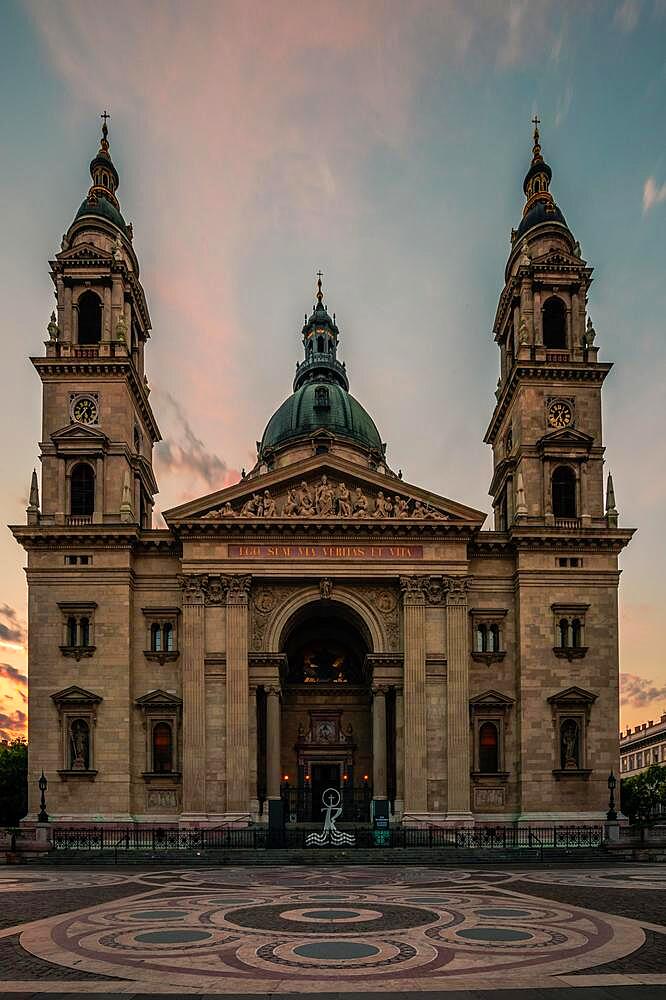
point(273, 743)
point(238, 759)
point(399, 751)
point(457, 700)
point(415, 695)
point(194, 697)
point(379, 742)
point(253, 747)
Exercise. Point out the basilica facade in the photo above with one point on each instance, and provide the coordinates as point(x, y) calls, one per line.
point(321, 623)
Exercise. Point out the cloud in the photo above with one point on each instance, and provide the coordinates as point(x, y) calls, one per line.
point(635, 691)
point(186, 454)
point(11, 630)
point(13, 674)
point(12, 725)
point(563, 105)
point(652, 195)
point(627, 15)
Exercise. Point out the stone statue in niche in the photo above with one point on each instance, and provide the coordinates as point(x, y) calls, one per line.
point(80, 745)
point(344, 501)
point(569, 745)
point(121, 329)
point(324, 498)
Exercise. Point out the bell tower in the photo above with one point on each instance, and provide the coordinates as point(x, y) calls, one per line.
point(546, 431)
point(98, 428)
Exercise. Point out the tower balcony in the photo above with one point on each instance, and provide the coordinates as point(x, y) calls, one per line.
point(321, 364)
point(87, 352)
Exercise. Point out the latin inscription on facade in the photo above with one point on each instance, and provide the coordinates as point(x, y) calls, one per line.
point(342, 552)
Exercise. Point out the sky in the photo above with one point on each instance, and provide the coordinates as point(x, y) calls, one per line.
point(386, 144)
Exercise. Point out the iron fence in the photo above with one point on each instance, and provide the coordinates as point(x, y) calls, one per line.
point(488, 838)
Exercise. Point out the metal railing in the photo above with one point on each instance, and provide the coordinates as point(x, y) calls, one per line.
point(122, 840)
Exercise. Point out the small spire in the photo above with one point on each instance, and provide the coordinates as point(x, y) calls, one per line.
point(611, 510)
point(536, 148)
point(32, 509)
point(320, 294)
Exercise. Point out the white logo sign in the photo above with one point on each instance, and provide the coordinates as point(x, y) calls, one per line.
point(330, 834)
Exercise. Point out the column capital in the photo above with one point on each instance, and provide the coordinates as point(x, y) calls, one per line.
point(436, 590)
point(238, 588)
point(456, 591)
point(412, 590)
point(273, 692)
point(380, 690)
point(194, 588)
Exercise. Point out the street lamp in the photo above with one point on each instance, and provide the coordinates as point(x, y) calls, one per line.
point(612, 784)
point(43, 785)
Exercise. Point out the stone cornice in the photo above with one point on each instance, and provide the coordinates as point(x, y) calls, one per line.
point(543, 371)
point(198, 528)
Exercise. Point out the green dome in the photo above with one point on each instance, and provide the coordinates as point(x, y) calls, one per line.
point(306, 411)
point(103, 207)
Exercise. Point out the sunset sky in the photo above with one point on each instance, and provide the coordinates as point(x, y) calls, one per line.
point(385, 143)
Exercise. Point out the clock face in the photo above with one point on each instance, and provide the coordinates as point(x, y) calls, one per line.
point(84, 410)
point(559, 414)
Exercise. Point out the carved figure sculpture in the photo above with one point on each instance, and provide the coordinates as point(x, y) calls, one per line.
point(419, 512)
point(590, 333)
point(121, 329)
point(569, 736)
point(344, 501)
point(324, 497)
point(80, 745)
point(291, 504)
point(53, 328)
point(307, 504)
point(228, 510)
point(380, 506)
point(252, 507)
point(360, 503)
point(401, 508)
point(269, 505)
point(523, 332)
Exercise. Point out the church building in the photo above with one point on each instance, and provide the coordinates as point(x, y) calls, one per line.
point(322, 623)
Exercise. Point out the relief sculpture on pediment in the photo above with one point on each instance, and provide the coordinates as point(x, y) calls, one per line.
point(328, 500)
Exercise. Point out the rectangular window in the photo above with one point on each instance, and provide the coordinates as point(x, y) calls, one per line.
point(85, 560)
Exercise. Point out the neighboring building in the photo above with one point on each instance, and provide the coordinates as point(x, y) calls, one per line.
point(643, 746)
point(322, 622)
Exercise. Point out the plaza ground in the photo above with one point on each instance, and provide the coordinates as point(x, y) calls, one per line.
point(595, 931)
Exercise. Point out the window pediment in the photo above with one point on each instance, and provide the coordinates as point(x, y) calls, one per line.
point(491, 699)
point(75, 696)
point(572, 696)
point(158, 701)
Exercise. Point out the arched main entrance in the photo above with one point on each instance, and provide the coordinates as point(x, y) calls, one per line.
point(326, 712)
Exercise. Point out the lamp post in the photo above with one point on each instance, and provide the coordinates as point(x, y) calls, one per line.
point(612, 783)
point(43, 784)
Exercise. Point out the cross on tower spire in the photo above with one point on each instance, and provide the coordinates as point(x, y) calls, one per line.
point(320, 294)
point(536, 149)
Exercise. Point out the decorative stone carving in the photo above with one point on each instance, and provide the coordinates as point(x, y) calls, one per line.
point(194, 588)
point(161, 798)
point(488, 797)
point(237, 586)
point(329, 500)
point(53, 328)
point(523, 331)
point(436, 589)
point(264, 601)
point(325, 588)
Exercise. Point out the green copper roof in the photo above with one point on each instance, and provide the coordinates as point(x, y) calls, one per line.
point(303, 413)
point(103, 208)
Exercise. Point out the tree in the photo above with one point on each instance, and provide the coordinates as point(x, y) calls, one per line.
point(643, 794)
point(13, 782)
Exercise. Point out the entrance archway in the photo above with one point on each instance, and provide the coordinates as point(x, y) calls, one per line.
point(326, 712)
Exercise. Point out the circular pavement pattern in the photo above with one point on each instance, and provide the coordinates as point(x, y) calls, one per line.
point(390, 934)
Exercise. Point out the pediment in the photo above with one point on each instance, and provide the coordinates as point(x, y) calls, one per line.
point(324, 488)
point(568, 437)
point(557, 258)
point(573, 696)
point(75, 695)
point(491, 698)
point(79, 433)
point(83, 252)
point(158, 698)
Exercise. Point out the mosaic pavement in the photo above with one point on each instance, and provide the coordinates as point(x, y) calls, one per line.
point(340, 929)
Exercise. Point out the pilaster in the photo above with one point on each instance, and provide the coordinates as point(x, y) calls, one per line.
point(415, 775)
point(457, 700)
point(379, 742)
point(273, 744)
point(237, 694)
point(194, 697)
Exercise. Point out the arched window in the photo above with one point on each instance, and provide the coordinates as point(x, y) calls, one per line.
point(82, 499)
point(564, 491)
point(162, 749)
point(84, 632)
point(71, 632)
point(167, 632)
point(494, 638)
point(79, 745)
point(564, 633)
point(488, 748)
point(90, 319)
point(320, 345)
point(156, 638)
point(555, 323)
point(569, 745)
point(576, 633)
